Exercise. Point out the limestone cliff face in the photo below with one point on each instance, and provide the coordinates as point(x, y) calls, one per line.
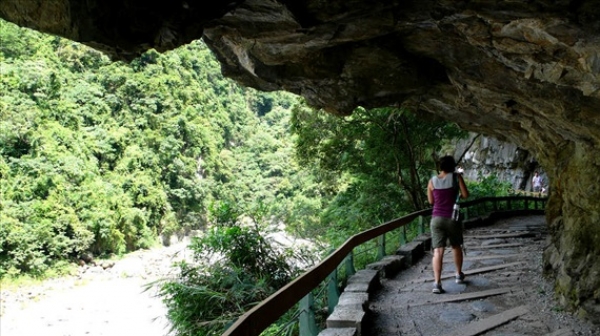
point(526, 71)
point(484, 156)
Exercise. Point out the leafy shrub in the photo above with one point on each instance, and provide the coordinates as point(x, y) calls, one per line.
point(34, 235)
point(488, 186)
point(244, 270)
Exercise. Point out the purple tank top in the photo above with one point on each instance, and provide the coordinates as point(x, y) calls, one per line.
point(444, 196)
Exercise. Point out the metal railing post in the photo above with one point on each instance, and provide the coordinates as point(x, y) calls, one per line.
point(350, 265)
point(308, 324)
point(403, 238)
point(421, 225)
point(333, 291)
point(381, 247)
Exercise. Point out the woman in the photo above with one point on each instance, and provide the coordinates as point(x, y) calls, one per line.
point(442, 192)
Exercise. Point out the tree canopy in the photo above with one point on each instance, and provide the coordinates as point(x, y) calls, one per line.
point(377, 161)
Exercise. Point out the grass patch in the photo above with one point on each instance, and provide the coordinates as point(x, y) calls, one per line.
point(59, 269)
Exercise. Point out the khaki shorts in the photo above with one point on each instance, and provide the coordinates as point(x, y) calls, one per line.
point(445, 230)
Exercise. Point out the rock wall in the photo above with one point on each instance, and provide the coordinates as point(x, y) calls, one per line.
point(484, 156)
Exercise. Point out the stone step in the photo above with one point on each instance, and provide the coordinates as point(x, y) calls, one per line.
point(364, 281)
point(389, 266)
point(338, 332)
point(343, 318)
point(481, 326)
point(525, 234)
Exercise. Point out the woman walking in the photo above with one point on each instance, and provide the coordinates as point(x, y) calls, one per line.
point(443, 191)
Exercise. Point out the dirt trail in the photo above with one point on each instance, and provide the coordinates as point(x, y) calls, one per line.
point(109, 302)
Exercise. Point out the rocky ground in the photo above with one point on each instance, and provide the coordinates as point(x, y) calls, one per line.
point(406, 306)
point(108, 299)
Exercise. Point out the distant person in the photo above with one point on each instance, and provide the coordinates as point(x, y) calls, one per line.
point(443, 191)
point(536, 182)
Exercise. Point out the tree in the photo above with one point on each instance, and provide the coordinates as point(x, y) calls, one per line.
point(382, 159)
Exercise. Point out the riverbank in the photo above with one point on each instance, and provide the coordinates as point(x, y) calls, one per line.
point(98, 301)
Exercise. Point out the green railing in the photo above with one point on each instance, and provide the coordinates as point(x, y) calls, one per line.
point(325, 274)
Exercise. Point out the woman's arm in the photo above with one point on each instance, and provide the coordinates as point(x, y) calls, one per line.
point(430, 192)
point(464, 192)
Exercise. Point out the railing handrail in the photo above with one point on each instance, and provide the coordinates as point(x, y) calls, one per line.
point(254, 321)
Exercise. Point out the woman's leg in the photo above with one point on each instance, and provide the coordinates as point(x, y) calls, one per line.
point(458, 258)
point(438, 259)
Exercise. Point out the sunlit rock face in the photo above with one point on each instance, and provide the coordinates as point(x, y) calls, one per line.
point(482, 157)
point(522, 71)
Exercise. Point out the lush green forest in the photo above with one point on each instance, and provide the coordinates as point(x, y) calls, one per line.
point(103, 157)
point(106, 157)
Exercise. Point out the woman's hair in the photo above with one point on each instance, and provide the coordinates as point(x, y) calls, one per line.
point(447, 164)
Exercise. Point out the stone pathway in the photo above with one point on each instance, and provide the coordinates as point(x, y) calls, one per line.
point(508, 294)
